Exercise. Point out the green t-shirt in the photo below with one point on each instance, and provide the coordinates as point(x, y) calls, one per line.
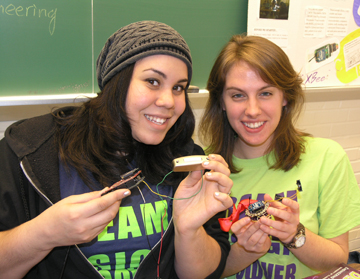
point(329, 202)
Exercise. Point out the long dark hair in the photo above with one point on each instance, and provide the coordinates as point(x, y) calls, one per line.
point(96, 138)
point(275, 68)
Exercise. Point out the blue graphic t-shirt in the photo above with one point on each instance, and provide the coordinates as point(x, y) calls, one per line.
point(119, 249)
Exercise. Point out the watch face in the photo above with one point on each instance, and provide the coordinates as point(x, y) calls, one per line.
point(300, 241)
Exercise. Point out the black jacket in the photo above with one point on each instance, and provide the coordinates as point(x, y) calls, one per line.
point(29, 184)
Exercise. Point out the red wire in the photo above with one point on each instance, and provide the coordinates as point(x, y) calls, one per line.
point(161, 242)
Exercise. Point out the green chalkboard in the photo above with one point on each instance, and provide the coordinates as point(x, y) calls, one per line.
point(45, 47)
point(50, 46)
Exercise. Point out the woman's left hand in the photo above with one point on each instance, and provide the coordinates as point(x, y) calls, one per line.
point(199, 197)
point(286, 215)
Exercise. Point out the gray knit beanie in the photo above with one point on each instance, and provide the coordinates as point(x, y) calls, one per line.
point(136, 41)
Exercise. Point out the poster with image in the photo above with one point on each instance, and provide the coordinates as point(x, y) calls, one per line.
point(321, 37)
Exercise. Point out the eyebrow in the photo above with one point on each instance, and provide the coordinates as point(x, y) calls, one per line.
point(163, 75)
point(239, 89)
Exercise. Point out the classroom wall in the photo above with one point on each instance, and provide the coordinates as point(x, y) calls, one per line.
point(338, 120)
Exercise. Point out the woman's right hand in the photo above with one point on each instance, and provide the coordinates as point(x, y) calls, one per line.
point(73, 220)
point(250, 236)
point(252, 243)
point(80, 218)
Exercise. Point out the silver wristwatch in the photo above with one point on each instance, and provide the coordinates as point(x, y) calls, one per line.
point(299, 239)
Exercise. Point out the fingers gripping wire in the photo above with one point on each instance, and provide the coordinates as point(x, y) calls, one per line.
point(128, 180)
point(133, 179)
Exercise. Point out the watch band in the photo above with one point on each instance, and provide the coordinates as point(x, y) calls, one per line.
point(299, 238)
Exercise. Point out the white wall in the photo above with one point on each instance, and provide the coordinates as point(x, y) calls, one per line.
point(335, 119)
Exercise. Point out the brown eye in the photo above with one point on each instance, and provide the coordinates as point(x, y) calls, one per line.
point(153, 82)
point(178, 88)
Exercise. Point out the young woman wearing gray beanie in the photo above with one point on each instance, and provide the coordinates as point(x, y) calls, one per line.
point(59, 219)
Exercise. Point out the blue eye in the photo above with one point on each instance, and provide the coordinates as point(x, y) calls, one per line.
point(237, 96)
point(266, 94)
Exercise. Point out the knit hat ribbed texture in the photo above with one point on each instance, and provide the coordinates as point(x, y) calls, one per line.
point(138, 40)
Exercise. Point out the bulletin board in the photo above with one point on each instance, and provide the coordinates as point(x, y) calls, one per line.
point(321, 37)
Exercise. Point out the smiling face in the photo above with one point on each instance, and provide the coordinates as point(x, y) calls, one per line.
point(253, 108)
point(156, 97)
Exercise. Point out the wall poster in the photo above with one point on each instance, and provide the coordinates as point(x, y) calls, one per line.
point(321, 37)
